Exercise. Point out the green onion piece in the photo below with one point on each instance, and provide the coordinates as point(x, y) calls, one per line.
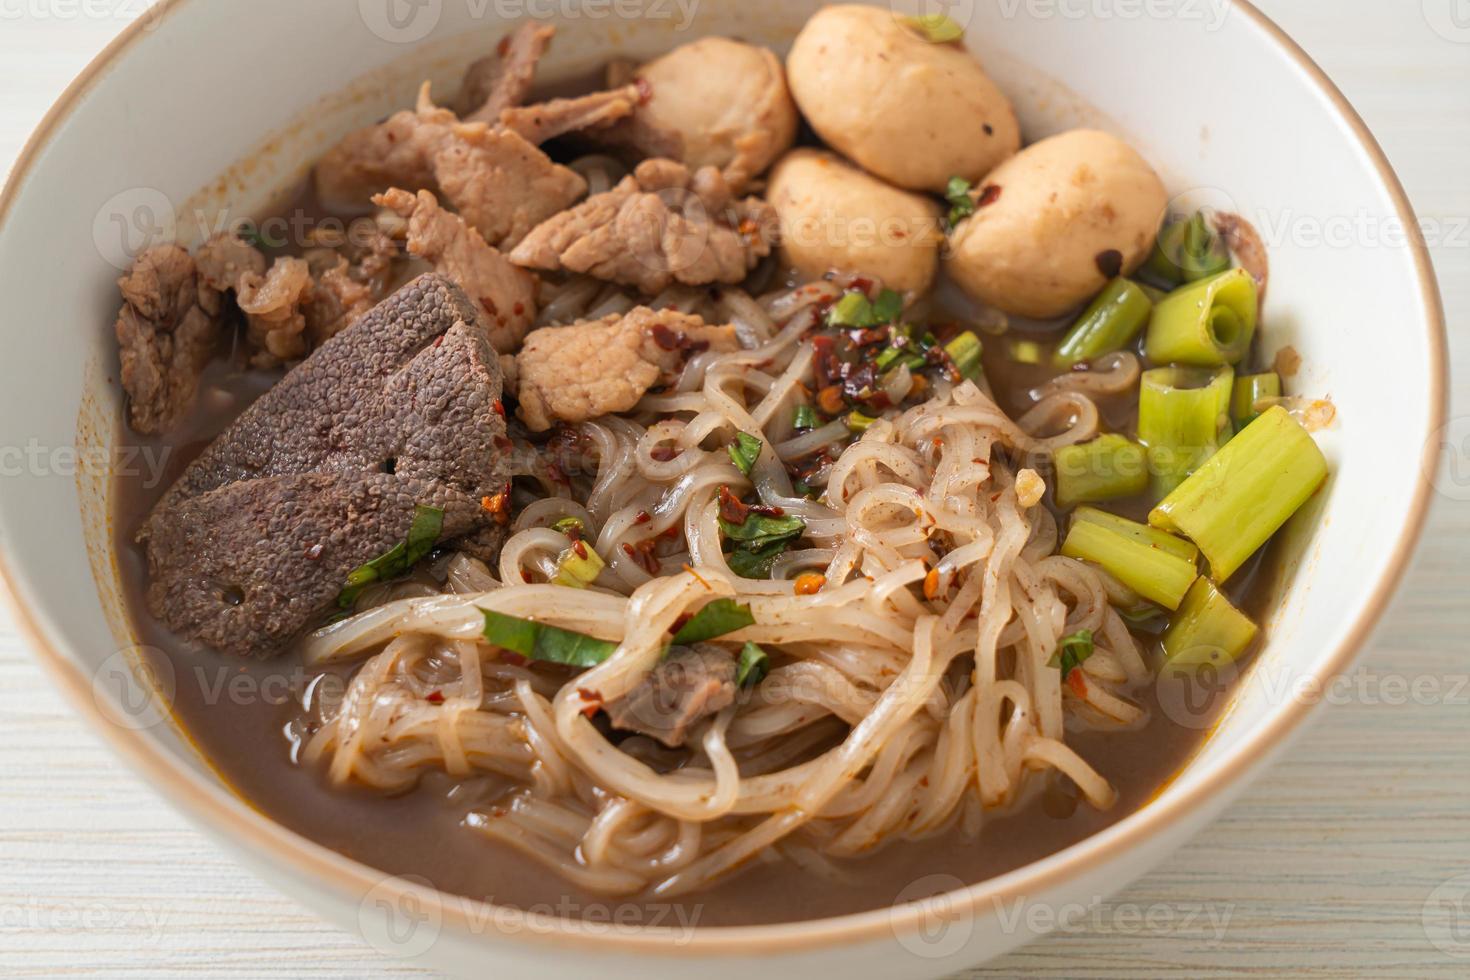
point(852, 310)
point(1108, 324)
point(1183, 419)
point(1245, 492)
point(569, 524)
point(423, 534)
point(1154, 572)
point(1026, 352)
point(717, 618)
point(1108, 467)
point(1206, 628)
point(887, 308)
point(1187, 251)
point(858, 422)
point(578, 570)
point(961, 204)
point(1072, 651)
point(935, 28)
point(752, 666)
point(965, 351)
point(744, 451)
point(1206, 323)
point(1150, 537)
point(1249, 390)
point(538, 641)
point(805, 417)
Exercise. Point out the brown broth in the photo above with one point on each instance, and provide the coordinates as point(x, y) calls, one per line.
point(236, 712)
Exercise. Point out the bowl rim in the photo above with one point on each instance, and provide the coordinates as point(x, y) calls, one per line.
point(348, 880)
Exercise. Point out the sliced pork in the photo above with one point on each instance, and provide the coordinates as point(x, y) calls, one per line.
point(578, 372)
point(503, 80)
point(687, 686)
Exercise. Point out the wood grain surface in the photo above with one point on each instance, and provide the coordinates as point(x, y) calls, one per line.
point(1338, 863)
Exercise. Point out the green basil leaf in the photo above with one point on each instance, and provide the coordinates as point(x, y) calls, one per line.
point(538, 641)
point(716, 619)
point(423, 534)
point(759, 531)
point(751, 562)
point(752, 667)
point(961, 204)
point(744, 451)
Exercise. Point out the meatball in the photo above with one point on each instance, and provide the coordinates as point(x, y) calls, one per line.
point(1055, 222)
point(910, 111)
point(726, 102)
point(835, 217)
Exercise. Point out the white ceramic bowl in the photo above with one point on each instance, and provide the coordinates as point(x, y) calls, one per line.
point(204, 107)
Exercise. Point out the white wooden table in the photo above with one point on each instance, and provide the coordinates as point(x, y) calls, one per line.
point(1325, 867)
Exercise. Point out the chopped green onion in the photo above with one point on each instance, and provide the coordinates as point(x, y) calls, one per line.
point(744, 451)
point(717, 618)
point(1183, 419)
point(578, 566)
point(1072, 651)
point(887, 308)
point(961, 204)
point(1026, 351)
point(1108, 467)
point(423, 534)
point(1206, 323)
point(965, 350)
point(1233, 503)
point(1133, 554)
point(852, 310)
point(1249, 390)
point(569, 524)
point(539, 641)
point(805, 417)
point(1206, 628)
point(936, 28)
point(858, 422)
point(1108, 324)
point(752, 666)
point(1187, 251)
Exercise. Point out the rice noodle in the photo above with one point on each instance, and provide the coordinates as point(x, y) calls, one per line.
point(909, 695)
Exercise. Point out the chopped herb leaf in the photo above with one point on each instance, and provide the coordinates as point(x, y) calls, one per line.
point(961, 204)
point(936, 28)
point(423, 534)
point(744, 451)
point(805, 418)
point(759, 530)
point(1072, 651)
point(756, 563)
point(538, 641)
point(752, 666)
point(717, 618)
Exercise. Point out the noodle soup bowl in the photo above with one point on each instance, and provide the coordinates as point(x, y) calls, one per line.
point(160, 131)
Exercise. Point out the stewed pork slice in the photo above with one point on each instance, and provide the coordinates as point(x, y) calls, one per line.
point(224, 258)
point(548, 120)
point(596, 367)
point(500, 183)
point(273, 305)
point(503, 80)
point(166, 332)
point(349, 276)
point(393, 153)
point(688, 685)
point(660, 225)
point(506, 293)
